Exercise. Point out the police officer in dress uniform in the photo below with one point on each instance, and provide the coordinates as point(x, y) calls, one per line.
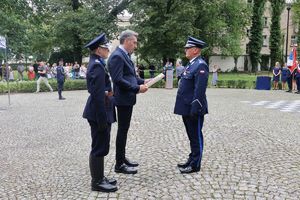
point(99, 111)
point(191, 102)
point(60, 77)
point(126, 86)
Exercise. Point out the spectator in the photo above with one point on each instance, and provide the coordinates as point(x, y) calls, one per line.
point(179, 70)
point(30, 73)
point(43, 77)
point(141, 69)
point(76, 68)
point(151, 71)
point(82, 72)
point(276, 75)
point(35, 67)
point(11, 74)
point(20, 69)
point(284, 75)
point(1, 72)
point(214, 80)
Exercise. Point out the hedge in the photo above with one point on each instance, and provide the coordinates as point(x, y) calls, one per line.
point(30, 86)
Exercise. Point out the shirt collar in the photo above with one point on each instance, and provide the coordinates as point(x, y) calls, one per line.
point(123, 49)
point(192, 60)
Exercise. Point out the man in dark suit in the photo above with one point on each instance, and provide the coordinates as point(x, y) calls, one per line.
point(126, 86)
point(191, 102)
point(99, 112)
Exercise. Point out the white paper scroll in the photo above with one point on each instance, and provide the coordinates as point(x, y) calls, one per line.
point(155, 79)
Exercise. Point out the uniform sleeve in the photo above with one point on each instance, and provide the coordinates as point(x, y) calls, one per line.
point(199, 104)
point(97, 91)
point(115, 67)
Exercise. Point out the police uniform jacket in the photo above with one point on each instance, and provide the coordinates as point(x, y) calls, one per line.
point(60, 74)
point(99, 107)
point(191, 97)
point(126, 83)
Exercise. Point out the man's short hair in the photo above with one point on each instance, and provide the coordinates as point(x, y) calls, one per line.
point(127, 34)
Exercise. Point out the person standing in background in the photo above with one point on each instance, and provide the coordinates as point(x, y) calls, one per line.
point(214, 79)
point(60, 77)
point(276, 75)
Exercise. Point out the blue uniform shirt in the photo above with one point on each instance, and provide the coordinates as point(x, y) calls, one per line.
point(60, 73)
point(191, 94)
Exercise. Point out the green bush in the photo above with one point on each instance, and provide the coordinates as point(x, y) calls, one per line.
point(30, 86)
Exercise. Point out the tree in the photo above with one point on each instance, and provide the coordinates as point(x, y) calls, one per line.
point(275, 33)
point(296, 17)
point(256, 38)
point(164, 26)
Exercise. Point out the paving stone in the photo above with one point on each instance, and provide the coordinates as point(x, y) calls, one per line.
point(250, 152)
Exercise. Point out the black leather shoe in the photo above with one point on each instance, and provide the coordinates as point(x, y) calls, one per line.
point(125, 169)
point(289, 91)
point(111, 181)
point(130, 163)
point(189, 169)
point(184, 165)
point(103, 186)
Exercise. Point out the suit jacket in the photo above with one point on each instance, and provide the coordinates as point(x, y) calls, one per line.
point(125, 81)
point(99, 107)
point(191, 94)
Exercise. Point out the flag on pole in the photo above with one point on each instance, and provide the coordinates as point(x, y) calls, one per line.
point(291, 62)
point(2, 42)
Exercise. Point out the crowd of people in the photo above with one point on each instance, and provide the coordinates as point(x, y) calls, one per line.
point(286, 76)
point(72, 71)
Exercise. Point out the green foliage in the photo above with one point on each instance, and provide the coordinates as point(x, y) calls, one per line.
point(164, 26)
point(256, 38)
point(296, 17)
point(275, 37)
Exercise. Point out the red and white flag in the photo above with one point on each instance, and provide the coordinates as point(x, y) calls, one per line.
point(291, 62)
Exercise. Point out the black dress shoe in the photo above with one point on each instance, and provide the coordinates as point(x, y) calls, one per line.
point(103, 186)
point(184, 165)
point(111, 181)
point(289, 91)
point(125, 169)
point(130, 163)
point(189, 169)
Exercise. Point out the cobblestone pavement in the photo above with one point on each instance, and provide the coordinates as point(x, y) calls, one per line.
point(250, 152)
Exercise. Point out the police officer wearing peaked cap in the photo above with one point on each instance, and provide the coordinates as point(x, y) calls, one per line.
point(191, 102)
point(99, 112)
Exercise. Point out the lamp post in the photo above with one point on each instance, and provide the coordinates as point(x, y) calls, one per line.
point(288, 7)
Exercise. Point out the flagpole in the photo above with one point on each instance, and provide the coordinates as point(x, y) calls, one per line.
point(7, 73)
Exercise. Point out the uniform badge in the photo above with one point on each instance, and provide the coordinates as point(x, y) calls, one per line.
point(97, 61)
point(184, 73)
point(201, 71)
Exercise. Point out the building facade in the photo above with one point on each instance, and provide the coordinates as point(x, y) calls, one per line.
point(243, 61)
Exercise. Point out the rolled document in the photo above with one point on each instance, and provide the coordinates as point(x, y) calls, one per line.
point(155, 79)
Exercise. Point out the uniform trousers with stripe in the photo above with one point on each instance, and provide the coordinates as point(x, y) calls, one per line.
point(193, 126)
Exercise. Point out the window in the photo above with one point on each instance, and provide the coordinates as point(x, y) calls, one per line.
point(293, 40)
point(265, 22)
point(248, 33)
point(265, 41)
